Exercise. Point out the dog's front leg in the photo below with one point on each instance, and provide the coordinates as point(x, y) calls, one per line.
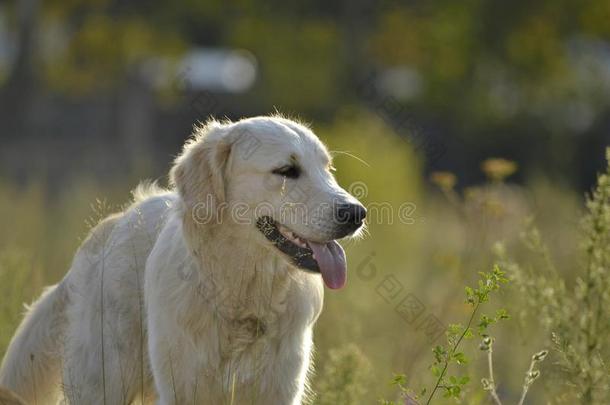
point(289, 376)
point(175, 376)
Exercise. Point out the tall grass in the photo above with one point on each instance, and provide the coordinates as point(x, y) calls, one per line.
point(574, 308)
point(361, 340)
point(344, 378)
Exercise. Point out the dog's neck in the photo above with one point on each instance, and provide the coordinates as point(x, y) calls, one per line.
point(244, 292)
point(249, 281)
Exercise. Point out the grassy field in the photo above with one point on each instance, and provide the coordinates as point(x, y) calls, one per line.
point(406, 277)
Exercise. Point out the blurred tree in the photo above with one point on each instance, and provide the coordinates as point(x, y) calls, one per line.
point(487, 75)
point(510, 72)
point(17, 94)
point(101, 43)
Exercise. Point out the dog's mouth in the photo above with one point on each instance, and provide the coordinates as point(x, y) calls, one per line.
point(326, 258)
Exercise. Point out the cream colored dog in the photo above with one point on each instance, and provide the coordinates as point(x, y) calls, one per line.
point(204, 294)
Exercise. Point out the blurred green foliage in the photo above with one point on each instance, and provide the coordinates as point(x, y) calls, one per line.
point(481, 62)
point(482, 76)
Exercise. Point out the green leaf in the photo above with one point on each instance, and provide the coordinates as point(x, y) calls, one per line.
point(399, 379)
point(454, 329)
point(460, 358)
point(436, 371)
point(502, 314)
point(439, 353)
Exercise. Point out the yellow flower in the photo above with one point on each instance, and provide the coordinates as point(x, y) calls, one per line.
point(445, 180)
point(497, 169)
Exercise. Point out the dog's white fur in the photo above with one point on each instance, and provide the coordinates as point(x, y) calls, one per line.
point(192, 312)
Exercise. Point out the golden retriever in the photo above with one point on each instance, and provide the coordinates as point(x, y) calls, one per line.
point(206, 293)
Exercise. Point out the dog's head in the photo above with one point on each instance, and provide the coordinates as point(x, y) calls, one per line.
point(273, 174)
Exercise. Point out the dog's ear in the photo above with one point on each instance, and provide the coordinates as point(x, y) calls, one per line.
point(198, 173)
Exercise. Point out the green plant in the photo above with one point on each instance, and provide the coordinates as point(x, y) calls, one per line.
point(451, 354)
point(344, 377)
point(531, 374)
point(444, 356)
point(575, 317)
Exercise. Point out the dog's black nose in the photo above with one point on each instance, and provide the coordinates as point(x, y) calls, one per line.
point(351, 214)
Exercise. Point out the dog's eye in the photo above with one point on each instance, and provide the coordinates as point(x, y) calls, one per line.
point(289, 171)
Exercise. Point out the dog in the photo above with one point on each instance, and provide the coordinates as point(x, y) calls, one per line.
point(203, 293)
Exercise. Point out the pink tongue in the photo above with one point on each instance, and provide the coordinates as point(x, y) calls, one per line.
point(331, 261)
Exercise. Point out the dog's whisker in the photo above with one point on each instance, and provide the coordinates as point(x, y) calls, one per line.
point(343, 152)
